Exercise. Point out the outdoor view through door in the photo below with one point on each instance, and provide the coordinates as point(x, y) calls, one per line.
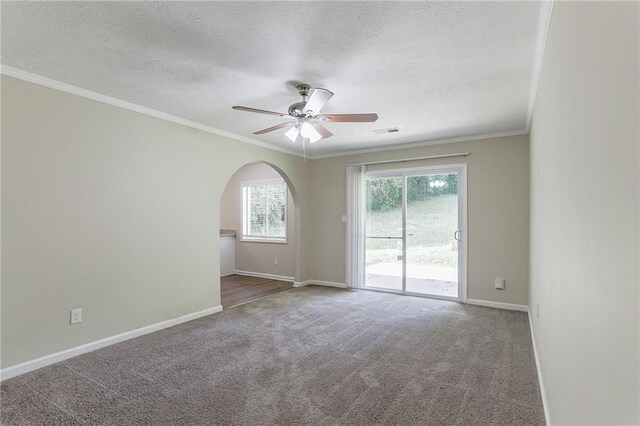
point(414, 232)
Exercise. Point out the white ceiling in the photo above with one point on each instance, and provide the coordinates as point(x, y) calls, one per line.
point(436, 70)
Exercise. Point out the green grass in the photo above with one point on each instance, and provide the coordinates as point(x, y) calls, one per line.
point(430, 227)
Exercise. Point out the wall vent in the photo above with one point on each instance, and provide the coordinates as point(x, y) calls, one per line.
point(384, 131)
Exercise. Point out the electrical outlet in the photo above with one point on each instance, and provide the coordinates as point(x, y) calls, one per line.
point(537, 310)
point(499, 283)
point(275, 260)
point(76, 316)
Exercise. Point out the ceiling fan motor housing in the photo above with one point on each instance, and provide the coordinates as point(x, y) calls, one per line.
point(297, 110)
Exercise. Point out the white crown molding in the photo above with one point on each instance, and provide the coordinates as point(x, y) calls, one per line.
point(546, 10)
point(420, 144)
point(543, 393)
point(35, 364)
point(499, 305)
point(88, 94)
point(78, 91)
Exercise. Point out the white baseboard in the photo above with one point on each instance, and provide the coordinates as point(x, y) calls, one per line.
point(268, 276)
point(499, 305)
point(317, 282)
point(543, 394)
point(28, 366)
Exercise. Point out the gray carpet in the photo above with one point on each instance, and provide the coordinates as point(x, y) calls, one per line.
point(311, 355)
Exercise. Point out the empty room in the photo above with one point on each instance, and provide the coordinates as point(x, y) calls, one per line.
point(320, 213)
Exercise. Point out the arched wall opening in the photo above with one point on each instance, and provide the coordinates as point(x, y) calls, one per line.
point(275, 259)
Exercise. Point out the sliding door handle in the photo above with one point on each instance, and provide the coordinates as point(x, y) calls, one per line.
point(457, 235)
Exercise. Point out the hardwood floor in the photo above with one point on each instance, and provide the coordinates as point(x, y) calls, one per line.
point(239, 289)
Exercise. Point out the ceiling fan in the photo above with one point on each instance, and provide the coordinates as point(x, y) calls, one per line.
point(307, 125)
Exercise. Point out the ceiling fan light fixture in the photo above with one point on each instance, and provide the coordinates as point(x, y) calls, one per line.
point(292, 133)
point(315, 139)
point(309, 132)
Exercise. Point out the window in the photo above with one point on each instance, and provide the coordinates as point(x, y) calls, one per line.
point(264, 211)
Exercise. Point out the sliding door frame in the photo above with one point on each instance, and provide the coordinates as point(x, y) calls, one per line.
point(461, 170)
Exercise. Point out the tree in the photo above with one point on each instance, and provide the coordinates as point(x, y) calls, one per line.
point(385, 194)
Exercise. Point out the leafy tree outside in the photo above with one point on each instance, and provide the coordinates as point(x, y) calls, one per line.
point(386, 194)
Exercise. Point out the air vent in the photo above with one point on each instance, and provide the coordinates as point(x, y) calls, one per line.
point(384, 131)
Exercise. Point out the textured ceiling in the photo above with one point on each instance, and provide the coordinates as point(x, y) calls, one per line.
point(436, 70)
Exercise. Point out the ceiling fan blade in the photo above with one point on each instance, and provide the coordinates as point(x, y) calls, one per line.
point(349, 118)
point(324, 132)
point(259, 111)
point(271, 129)
point(318, 99)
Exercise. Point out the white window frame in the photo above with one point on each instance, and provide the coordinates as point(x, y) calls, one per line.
point(245, 224)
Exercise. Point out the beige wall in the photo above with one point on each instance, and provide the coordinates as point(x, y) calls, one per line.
point(109, 210)
point(584, 215)
point(498, 213)
point(257, 256)
point(118, 213)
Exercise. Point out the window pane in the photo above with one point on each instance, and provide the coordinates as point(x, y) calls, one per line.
point(257, 209)
point(265, 210)
point(384, 233)
point(276, 216)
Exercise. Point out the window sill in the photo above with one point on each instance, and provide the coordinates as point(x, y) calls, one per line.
point(263, 240)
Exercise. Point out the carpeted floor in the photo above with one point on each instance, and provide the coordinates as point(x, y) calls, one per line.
point(311, 355)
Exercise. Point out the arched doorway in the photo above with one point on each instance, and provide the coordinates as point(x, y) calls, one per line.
point(259, 234)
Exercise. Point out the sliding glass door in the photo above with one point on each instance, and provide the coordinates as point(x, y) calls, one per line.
point(414, 231)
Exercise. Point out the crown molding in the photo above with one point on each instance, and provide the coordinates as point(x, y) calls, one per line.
point(88, 94)
point(544, 21)
point(99, 97)
point(420, 144)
